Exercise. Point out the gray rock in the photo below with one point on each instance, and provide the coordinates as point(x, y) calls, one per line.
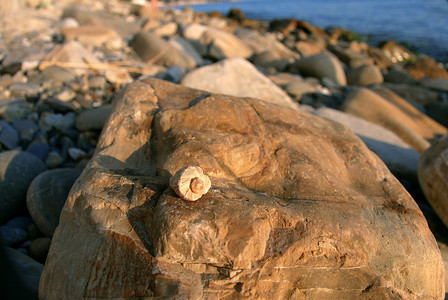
point(25, 89)
point(118, 76)
point(54, 159)
point(12, 236)
point(93, 119)
point(414, 93)
point(28, 270)
point(19, 222)
point(45, 204)
point(399, 75)
point(399, 157)
point(26, 129)
point(17, 170)
point(151, 47)
point(97, 82)
point(39, 249)
point(8, 135)
point(224, 45)
point(75, 153)
point(440, 84)
point(13, 109)
point(58, 73)
point(39, 149)
point(57, 121)
point(365, 75)
point(299, 87)
point(349, 57)
point(320, 66)
point(174, 74)
point(188, 48)
point(237, 77)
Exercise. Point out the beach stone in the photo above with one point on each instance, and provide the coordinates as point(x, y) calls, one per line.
point(269, 59)
point(68, 23)
point(97, 82)
point(438, 111)
point(12, 236)
point(39, 149)
point(17, 170)
point(118, 76)
point(320, 66)
point(90, 35)
point(236, 77)
point(75, 153)
point(54, 159)
point(27, 269)
point(350, 57)
point(440, 84)
point(150, 46)
point(11, 6)
point(427, 67)
point(306, 48)
point(298, 208)
point(13, 109)
point(9, 137)
point(188, 48)
point(415, 93)
point(396, 52)
point(298, 88)
point(168, 29)
point(398, 156)
point(432, 170)
point(366, 104)
point(174, 74)
point(62, 122)
point(365, 75)
point(93, 119)
point(39, 249)
point(58, 73)
point(25, 89)
point(398, 75)
point(46, 197)
point(19, 222)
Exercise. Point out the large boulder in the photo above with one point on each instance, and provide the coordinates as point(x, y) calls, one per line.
point(432, 174)
point(298, 208)
point(236, 77)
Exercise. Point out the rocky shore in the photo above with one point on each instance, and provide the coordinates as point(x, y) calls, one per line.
point(70, 67)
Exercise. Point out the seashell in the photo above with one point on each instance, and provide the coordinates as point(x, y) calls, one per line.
point(190, 183)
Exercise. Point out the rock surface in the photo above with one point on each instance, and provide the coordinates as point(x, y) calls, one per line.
point(432, 174)
point(46, 196)
point(17, 170)
point(299, 208)
point(236, 77)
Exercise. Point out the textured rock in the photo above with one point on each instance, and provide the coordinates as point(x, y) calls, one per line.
point(93, 119)
point(17, 170)
point(398, 156)
point(427, 67)
point(236, 77)
point(320, 66)
point(46, 196)
point(365, 75)
point(370, 106)
point(432, 174)
point(299, 208)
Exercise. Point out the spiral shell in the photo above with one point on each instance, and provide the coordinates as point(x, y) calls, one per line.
point(190, 183)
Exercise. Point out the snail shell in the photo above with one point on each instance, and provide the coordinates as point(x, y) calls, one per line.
point(190, 183)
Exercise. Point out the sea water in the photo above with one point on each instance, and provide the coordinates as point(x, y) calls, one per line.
point(422, 23)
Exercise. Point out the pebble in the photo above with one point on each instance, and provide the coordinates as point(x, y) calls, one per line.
point(13, 109)
point(39, 149)
point(76, 153)
point(54, 159)
point(62, 122)
point(93, 119)
point(44, 204)
point(26, 129)
point(17, 170)
point(11, 236)
point(29, 90)
point(38, 249)
point(9, 137)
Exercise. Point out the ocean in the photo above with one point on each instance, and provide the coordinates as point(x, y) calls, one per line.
point(421, 23)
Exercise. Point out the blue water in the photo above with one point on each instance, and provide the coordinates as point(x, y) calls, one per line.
point(423, 23)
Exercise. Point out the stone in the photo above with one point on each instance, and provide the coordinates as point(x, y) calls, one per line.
point(74, 55)
point(118, 76)
point(320, 66)
point(370, 106)
point(427, 67)
point(9, 137)
point(186, 47)
point(440, 84)
point(11, 6)
point(396, 52)
point(90, 35)
point(58, 73)
point(152, 48)
point(93, 119)
point(298, 208)
point(438, 111)
point(350, 57)
point(54, 159)
point(97, 82)
point(415, 93)
point(174, 74)
point(39, 249)
point(216, 43)
point(13, 109)
point(400, 76)
point(365, 75)
point(269, 59)
point(19, 222)
point(300, 87)
point(398, 156)
point(25, 89)
point(236, 77)
point(308, 48)
point(45, 203)
point(62, 122)
point(432, 170)
point(76, 153)
point(17, 170)
point(40, 149)
point(168, 29)
point(68, 23)
point(12, 236)
point(28, 270)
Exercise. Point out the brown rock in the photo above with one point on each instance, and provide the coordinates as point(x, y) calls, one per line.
point(365, 75)
point(370, 106)
point(299, 208)
point(427, 67)
point(432, 174)
point(91, 35)
point(396, 52)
